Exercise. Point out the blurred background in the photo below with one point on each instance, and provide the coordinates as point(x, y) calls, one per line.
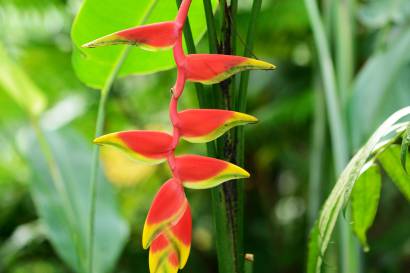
point(288, 151)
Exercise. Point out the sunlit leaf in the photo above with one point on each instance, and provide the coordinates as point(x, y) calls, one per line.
point(200, 172)
point(365, 199)
point(390, 160)
point(150, 147)
point(214, 68)
point(98, 18)
point(203, 125)
point(151, 37)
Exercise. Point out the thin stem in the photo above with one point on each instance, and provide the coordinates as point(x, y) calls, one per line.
point(60, 187)
point(96, 151)
point(316, 156)
point(344, 48)
point(95, 157)
point(337, 128)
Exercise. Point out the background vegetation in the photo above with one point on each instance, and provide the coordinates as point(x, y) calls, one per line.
point(289, 152)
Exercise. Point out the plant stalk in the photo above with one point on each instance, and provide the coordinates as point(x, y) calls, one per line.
point(95, 157)
point(337, 128)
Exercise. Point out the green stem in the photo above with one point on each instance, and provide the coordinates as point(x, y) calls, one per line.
point(344, 48)
point(98, 131)
point(248, 263)
point(95, 157)
point(337, 128)
point(60, 187)
point(316, 156)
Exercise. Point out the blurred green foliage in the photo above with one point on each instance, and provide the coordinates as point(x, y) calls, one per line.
point(36, 36)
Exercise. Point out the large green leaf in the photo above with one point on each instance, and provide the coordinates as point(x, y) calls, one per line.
point(73, 155)
point(381, 87)
point(97, 18)
point(323, 228)
point(365, 199)
point(390, 160)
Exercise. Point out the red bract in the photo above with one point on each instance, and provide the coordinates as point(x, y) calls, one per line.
point(167, 229)
point(203, 125)
point(214, 68)
point(146, 146)
point(150, 37)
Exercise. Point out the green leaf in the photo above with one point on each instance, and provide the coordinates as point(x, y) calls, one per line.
point(323, 229)
point(365, 199)
point(19, 87)
point(405, 148)
point(382, 85)
point(73, 155)
point(97, 18)
point(390, 160)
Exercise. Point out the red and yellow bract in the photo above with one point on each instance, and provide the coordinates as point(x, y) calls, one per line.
point(167, 229)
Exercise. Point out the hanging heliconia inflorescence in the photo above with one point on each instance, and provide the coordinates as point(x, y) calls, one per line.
point(167, 230)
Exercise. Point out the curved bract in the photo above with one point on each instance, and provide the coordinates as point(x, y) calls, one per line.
point(204, 125)
point(200, 172)
point(168, 227)
point(150, 37)
point(150, 147)
point(214, 68)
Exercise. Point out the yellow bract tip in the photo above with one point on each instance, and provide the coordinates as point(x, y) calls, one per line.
point(260, 64)
point(106, 139)
point(245, 117)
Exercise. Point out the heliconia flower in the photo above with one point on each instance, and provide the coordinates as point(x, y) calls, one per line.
point(203, 125)
point(200, 172)
point(170, 250)
point(150, 147)
point(169, 206)
point(214, 68)
point(162, 256)
point(150, 37)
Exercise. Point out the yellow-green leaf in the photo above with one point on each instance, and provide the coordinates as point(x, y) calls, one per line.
point(390, 160)
point(365, 199)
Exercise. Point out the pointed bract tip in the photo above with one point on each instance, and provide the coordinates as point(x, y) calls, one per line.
point(245, 117)
point(240, 172)
point(101, 140)
point(110, 39)
point(260, 64)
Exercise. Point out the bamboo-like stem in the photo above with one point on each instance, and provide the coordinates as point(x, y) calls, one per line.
point(336, 124)
point(60, 186)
